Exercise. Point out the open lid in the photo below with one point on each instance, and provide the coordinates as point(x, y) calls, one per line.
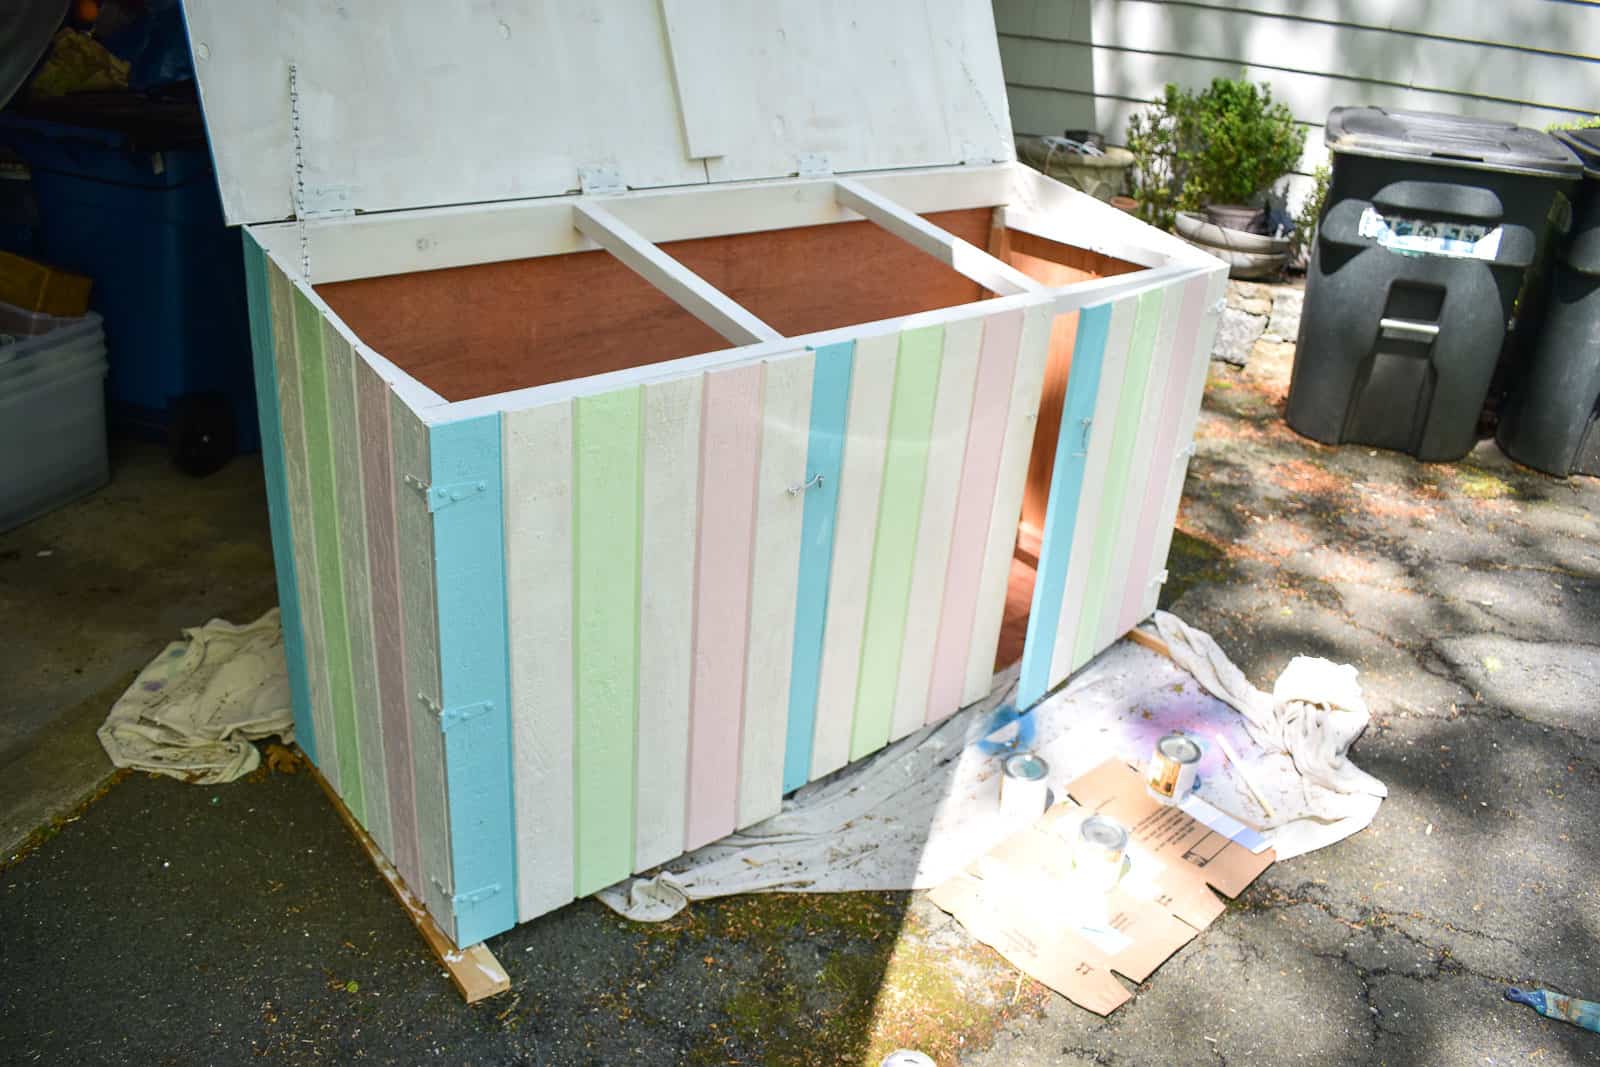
point(1448, 140)
point(315, 108)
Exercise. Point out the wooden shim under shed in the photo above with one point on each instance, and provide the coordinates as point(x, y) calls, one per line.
point(1150, 641)
point(474, 970)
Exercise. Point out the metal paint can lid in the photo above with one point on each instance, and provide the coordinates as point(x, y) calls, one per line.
point(1026, 766)
point(905, 1057)
point(1179, 748)
point(1101, 832)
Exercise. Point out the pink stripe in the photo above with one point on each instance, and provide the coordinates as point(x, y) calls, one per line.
point(730, 439)
point(980, 469)
point(1162, 460)
point(377, 464)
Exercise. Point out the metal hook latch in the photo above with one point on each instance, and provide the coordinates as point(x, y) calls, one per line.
point(814, 482)
point(1083, 440)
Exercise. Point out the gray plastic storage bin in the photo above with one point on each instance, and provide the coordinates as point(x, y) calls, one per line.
point(52, 419)
point(1430, 226)
point(1551, 420)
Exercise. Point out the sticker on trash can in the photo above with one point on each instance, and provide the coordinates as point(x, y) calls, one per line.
point(1430, 237)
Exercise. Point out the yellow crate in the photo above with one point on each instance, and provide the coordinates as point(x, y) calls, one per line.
point(34, 286)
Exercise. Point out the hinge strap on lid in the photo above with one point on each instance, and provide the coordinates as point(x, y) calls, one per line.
point(299, 177)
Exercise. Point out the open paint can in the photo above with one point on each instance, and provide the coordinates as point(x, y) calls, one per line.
point(1172, 768)
point(1098, 851)
point(1023, 789)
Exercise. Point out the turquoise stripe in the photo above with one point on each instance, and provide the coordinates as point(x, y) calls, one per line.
point(830, 401)
point(1061, 511)
point(474, 674)
point(294, 647)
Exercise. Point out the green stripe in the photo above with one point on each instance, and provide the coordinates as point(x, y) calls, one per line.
point(605, 537)
point(325, 528)
point(905, 472)
point(1127, 431)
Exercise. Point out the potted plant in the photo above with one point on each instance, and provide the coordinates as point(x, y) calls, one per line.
point(1218, 150)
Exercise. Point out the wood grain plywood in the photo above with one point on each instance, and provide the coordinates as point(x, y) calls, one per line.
point(485, 329)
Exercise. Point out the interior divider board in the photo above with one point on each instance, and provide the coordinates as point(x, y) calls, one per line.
point(830, 401)
point(465, 495)
point(690, 291)
point(605, 535)
point(1130, 495)
point(670, 522)
point(774, 572)
point(1082, 562)
point(1143, 571)
point(1061, 512)
point(378, 478)
point(860, 483)
point(1108, 519)
point(279, 518)
point(980, 467)
point(297, 483)
point(345, 434)
point(325, 525)
point(1166, 518)
point(540, 483)
point(1033, 350)
point(416, 543)
point(730, 445)
point(905, 475)
point(960, 256)
point(952, 419)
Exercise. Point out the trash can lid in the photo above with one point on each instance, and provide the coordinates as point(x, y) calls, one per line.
point(1586, 144)
point(1448, 140)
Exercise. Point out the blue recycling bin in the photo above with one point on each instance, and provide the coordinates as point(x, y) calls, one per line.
point(132, 202)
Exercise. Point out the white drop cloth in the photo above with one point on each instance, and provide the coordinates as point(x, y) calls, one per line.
point(926, 806)
point(194, 711)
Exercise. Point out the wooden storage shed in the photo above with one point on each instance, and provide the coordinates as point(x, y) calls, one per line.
point(652, 394)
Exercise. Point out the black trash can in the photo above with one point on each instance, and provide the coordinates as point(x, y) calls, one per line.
point(1430, 226)
point(1551, 420)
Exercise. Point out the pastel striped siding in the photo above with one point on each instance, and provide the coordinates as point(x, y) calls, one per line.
point(1146, 434)
point(671, 522)
point(377, 466)
point(1081, 561)
point(258, 289)
point(905, 473)
point(830, 398)
point(775, 566)
point(474, 714)
point(1061, 512)
point(605, 537)
point(1143, 572)
point(1109, 520)
point(952, 418)
point(297, 483)
point(539, 488)
point(345, 434)
point(980, 468)
point(730, 441)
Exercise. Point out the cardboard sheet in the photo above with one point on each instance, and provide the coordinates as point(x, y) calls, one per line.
point(1024, 898)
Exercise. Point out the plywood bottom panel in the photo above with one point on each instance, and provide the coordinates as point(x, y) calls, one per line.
point(475, 331)
point(1014, 627)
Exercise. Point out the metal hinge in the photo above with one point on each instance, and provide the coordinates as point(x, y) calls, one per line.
point(600, 178)
point(326, 202)
point(973, 155)
point(813, 165)
point(474, 897)
point(440, 497)
point(451, 717)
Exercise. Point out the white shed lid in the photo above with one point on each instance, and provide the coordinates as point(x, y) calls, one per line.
point(316, 107)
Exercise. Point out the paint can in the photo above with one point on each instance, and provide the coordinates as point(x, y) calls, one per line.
point(906, 1057)
point(1172, 768)
point(1098, 852)
point(1023, 788)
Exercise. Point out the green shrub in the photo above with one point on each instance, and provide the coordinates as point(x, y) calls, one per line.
point(1590, 123)
point(1305, 223)
point(1226, 144)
